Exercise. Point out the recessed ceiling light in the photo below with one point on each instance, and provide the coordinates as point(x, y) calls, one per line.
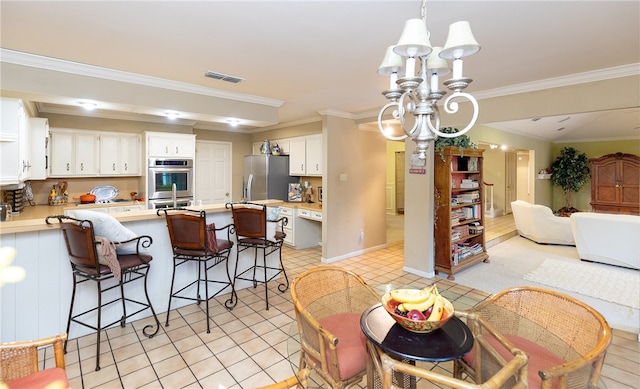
point(172, 115)
point(233, 122)
point(89, 106)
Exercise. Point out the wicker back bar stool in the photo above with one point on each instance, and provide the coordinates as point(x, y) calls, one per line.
point(254, 231)
point(87, 265)
point(195, 242)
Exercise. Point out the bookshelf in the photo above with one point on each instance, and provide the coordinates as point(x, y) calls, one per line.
point(459, 217)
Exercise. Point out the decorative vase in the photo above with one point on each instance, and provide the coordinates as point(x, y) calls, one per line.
point(266, 147)
point(276, 150)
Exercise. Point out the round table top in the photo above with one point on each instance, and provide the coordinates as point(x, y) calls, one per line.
point(450, 342)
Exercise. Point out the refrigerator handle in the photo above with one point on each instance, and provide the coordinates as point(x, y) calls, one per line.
point(247, 194)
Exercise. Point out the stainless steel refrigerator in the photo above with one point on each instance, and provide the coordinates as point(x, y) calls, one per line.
point(266, 177)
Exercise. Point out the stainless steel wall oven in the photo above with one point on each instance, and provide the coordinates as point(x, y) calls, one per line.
point(170, 182)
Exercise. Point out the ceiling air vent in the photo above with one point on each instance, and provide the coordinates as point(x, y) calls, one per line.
point(223, 77)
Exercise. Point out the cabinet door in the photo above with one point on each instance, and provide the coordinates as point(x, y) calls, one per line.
point(109, 154)
point(130, 154)
point(314, 155)
point(120, 154)
point(171, 145)
point(14, 153)
point(297, 156)
point(39, 129)
point(86, 150)
point(62, 153)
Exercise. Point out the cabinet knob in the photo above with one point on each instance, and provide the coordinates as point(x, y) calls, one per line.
point(113, 167)
point(67, 166)
point(126, 167)
point(81, 166)
point(166, 149)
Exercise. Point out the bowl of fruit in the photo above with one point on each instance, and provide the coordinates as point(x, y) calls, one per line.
point(418, 310)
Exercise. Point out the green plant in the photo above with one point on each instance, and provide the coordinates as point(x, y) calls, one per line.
point(570, 171)
point(462, 141)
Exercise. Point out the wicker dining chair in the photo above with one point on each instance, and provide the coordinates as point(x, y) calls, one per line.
point(565, 339)
point(328, 302)
point(19, 364)
point(499, 373)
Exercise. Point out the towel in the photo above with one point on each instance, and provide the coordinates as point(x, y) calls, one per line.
point(107, 256)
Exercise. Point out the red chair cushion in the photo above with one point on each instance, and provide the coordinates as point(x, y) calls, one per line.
point(352, 344)
point(54, 378)
point(539, 357)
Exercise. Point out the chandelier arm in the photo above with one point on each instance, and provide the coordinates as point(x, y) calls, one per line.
point(394, 114)
point(451, 107)
point(402, 111)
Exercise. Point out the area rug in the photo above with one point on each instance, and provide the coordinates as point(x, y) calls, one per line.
point(604, 282)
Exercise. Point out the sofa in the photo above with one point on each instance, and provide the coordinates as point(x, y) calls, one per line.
point(539, 224)
point(607, 238)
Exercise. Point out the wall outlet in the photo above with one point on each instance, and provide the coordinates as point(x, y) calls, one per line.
point(361, 235)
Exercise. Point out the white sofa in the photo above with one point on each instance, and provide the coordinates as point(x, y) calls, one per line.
point(607, 238)
point(538, 223)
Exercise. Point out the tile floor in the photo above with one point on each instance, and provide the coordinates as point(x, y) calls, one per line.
point(247, 347)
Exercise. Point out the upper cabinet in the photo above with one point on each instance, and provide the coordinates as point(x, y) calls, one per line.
point(81, 153)
point(305, 156)
point(170, 145)
point(120, 154)
point(15, 153)
point(39, 131)
point(74, 153)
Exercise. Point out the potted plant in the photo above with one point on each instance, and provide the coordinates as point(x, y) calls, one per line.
point(570, 171)
point(462, 141)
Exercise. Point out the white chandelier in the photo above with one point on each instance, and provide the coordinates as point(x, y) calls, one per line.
point(413, 99)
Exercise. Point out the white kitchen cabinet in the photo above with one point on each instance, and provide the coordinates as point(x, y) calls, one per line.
point(289, 230)
point(120, 154)
point(39, 129)
point(163, 145)
point(314, 155)
point(303, 230)
point(305, 156)
point(14, 143)
point(74, 153)
point(297, 156)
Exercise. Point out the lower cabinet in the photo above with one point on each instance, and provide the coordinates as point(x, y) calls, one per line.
point(304, 227)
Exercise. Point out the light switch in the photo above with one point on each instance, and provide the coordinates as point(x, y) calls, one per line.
point(343, 177)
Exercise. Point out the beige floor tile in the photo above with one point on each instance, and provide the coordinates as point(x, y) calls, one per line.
point(146, 375)
point(178, 379)
point(168, 366)
point(231, 356)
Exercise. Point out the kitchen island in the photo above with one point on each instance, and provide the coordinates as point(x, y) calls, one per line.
point(38, 306)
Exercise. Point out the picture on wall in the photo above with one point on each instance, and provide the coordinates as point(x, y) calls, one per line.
point(294, 192)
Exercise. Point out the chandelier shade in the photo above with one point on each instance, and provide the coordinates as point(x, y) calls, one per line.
point(413, 98)
point(460, 42)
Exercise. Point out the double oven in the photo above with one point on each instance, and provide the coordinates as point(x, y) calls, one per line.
point(170, 182)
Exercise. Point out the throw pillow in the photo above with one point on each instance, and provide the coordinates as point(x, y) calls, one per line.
point(212, 240)
point(107, 226)
point(273, 213)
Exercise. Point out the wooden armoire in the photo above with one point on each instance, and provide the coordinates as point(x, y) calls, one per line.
point(615, 184)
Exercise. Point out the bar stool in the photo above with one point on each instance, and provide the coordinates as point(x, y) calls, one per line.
point(88, 265)
point(254, 231)
point(193, 241)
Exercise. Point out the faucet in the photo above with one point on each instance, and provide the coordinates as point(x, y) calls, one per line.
point(174, 196)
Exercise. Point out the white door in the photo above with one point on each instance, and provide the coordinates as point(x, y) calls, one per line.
point(213, 172)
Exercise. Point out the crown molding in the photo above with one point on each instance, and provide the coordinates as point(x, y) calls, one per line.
point(55, 64)
point(557, 82)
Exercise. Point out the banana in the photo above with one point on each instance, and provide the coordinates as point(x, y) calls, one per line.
point(413, 296)
point(423, 306)
point(438, 309)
